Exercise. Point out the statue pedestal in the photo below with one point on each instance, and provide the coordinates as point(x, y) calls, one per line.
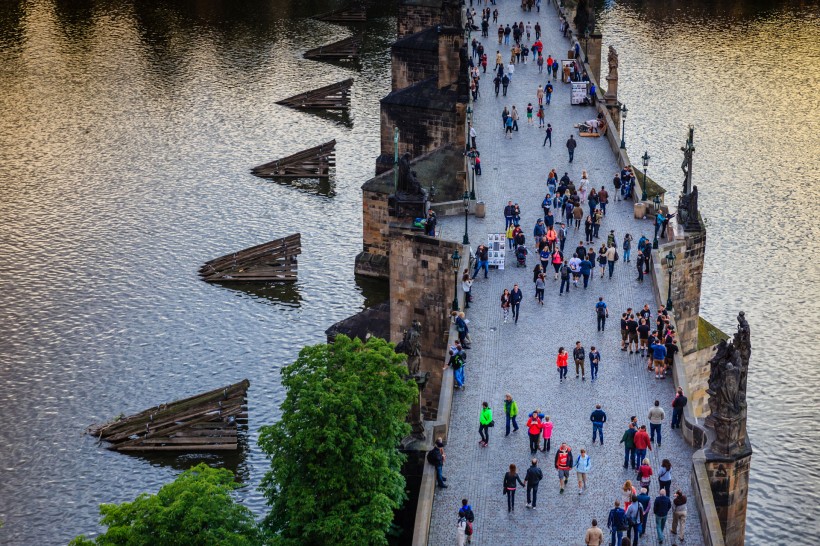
point(729, 482)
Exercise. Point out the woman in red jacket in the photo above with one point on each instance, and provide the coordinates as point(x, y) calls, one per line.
point(561, 362)
point(645, 474)
point(534, 430)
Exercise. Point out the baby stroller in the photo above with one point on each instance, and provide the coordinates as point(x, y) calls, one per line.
point(521, 255)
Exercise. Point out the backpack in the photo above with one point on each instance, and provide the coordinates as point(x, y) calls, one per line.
point(601, 310)
point(433, 456)
point(622, 524)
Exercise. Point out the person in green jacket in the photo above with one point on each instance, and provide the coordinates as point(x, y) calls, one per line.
point(628, 440)
point(511, 411)
point(486, 421)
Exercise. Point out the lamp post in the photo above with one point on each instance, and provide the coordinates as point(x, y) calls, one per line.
point(657, 202)
point(586, 45)
point(645, 160)
point(670, 263)
point(456, 266)
point(624, 111)
point(466, 199)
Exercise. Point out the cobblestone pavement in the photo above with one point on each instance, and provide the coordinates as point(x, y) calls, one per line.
point(520, 358)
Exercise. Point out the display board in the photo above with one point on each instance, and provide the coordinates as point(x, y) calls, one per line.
point(580, 90)
point(497, 246)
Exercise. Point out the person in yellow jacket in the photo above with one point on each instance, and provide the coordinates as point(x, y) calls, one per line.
point(485, 422)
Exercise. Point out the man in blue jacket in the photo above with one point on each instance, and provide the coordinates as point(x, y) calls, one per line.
point(598, 418)
point(616, 523)
point(586, 269)
point(661, 508)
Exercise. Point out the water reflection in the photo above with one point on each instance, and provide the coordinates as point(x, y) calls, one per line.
point(286, 294)
point(747, 75)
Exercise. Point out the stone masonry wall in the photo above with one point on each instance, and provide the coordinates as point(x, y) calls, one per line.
point(414, 18)
point(421, 288)
point(697, 374)
point(686, 284)
point(729, 480)
point(421, 130)
point(449, 61)
point(411, 66)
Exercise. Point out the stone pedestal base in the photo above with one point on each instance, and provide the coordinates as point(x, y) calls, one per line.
point(729, 481)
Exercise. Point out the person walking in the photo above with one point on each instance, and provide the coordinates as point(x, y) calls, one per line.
point(485, 422)
point(546, 432)
point(598, 418)
point(534, 431)
point(571, 145)
point(594, 536)
point(646, 503)
point(548, 135)
point(515, 299)
point(586, 271)
point(540, 286)
point(437, 458)
point(563, 464)
point(611, 258)
point(679, 515)
point(561, 363)
point(510, 412)
point(633, 519)
point(506, 299)
point(645, 474)
point(642, 443)
point(628, 440)
point(678, 404)
point(602, 313)
point(511, 479)
point(639, 264)
point(583, 464)
point(579, 355)
point(656, 416)
point(627, 246)
point(482, 255)
point(466, 517)
point(594, 360)
point(616, 523)
point(565, 277)
point(531, 480)
point(665, 475)
point(661, 508)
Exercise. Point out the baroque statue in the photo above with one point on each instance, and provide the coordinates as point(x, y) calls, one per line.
point(612, 59)
point(727, 390)
point(408, 183)
point(411, 346)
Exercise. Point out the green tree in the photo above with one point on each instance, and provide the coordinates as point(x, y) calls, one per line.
point(196, 509)
point(335, 474)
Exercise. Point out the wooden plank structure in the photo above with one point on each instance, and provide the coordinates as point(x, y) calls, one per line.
point(343, 49)
point(355, 13)
point(273, 261)
point(205, 422)
point(335, 96)
point(311, 163)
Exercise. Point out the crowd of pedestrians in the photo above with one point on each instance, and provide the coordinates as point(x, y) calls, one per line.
point(574, 208)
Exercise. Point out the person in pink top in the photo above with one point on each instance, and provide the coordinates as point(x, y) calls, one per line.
point(546, 432)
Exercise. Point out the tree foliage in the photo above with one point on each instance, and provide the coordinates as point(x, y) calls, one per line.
point(584, 17)
point(335, 474)
point(196, 509)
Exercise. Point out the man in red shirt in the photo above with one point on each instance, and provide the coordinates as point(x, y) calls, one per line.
point(563, 463)
point(642, 443)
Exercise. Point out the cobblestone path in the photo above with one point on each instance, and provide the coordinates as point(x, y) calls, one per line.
point(520, 358)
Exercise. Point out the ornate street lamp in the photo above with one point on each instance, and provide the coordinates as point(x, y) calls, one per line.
point(645, 160)
point(670, 263)
point(657, 202)
point(624, 111)
point(466, 199)
point(456, 267)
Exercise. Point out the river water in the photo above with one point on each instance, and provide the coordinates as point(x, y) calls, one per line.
point(127, 129)
point(747, 75)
